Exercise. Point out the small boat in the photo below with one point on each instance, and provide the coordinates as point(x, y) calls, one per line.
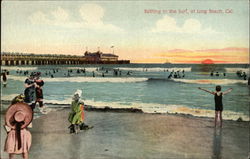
point(167, 62)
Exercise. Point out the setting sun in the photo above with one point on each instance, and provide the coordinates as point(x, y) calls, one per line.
point(207, 61)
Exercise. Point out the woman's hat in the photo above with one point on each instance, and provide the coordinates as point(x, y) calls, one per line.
point(19, 112)
point(79, 92)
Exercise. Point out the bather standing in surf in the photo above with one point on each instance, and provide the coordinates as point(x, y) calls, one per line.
point(218, 102)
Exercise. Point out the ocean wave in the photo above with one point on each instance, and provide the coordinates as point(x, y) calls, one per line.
point(132, 79)
point(16, 78)
point(211, 81)
point(167, 108)
point(155, 69)
point(65, 101)
point(234, 70)
point(6, 102)
point(8, 97)
point(159, 79)
point(145, 107)
point(138, 69)
point(164, 108)
point(85, 79)
point(18, 68)
point(87, 69)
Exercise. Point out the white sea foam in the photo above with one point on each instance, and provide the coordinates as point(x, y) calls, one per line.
point(84, 79)
point(150, 69)
point(130, 80)
point(234, 70)
point(148, 107)
point(211, 81)
point(164, 108)
point(18, 68)
point(154, 69)
point(172, 109)
point(17, 78)
point(36, 110)
point(87, 69)
point(63, 102)
point(8, 97)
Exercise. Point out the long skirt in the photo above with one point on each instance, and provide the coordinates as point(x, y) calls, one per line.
point(11, 143)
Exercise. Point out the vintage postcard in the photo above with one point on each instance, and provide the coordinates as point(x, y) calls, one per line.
point(125, 79)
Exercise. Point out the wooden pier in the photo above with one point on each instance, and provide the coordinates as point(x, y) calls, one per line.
point(11, 59)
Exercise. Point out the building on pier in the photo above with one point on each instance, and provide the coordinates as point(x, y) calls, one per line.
point(8, 58)
point(100, 56)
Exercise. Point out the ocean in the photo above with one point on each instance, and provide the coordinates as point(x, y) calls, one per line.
point(143, 86)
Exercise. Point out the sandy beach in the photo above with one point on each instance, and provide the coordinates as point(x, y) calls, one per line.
point(135, 135)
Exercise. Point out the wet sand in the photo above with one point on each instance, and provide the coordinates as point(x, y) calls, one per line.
point(136, 136)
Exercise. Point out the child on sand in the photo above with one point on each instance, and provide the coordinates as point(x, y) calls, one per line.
point(218, 102)
point(76, 116)
point(18, 140)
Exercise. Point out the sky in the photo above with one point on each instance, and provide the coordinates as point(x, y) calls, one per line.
point(141, 31)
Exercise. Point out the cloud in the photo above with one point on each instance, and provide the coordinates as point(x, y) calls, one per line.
point(191, 26)
point(56, 17)
point(168, 24)
point(218, 55)
point(39, 18)
point(60, 14)
point(91, 18)
point(179, 51)
point(92, 13)
point(229, 49)
point(219, 51)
